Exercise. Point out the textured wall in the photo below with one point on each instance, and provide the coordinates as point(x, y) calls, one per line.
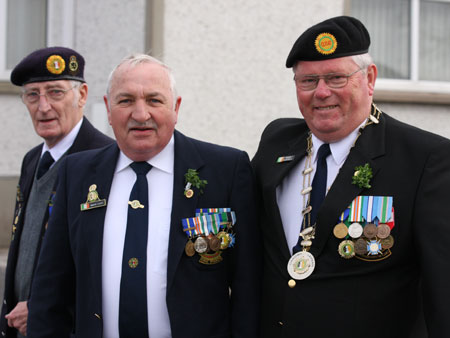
point(229, 56)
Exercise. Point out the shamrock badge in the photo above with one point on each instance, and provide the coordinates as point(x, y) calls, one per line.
point(192, 180)
point(362, 176)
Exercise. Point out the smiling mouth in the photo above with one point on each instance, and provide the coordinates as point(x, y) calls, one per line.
point(326, 108)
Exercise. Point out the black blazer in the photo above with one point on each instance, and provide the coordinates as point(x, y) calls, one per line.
point(88, 138)
point(350, 297)
point(68, 276)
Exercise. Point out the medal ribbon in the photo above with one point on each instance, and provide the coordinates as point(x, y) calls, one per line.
point(206, 224)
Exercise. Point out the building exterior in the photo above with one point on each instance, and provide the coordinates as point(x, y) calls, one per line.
point(228, 57)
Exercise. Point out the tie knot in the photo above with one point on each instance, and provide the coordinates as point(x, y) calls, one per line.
point(140, 168)
point(323, 152)
point(44, 164)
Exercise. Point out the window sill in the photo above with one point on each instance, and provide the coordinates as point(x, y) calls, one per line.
point(412, 91)
point(7, 87)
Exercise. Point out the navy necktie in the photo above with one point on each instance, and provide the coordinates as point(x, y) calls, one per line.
point(319, 187)
point(133, 284)
point(44, 164)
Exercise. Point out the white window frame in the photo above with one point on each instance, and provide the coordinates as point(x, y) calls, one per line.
point(413, 89)
point(59, 32)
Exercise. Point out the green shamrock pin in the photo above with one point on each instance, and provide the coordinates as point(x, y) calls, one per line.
point(362, 176)
point(192, 180)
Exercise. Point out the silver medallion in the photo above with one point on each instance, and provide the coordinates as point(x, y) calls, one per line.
point(301, 265)
point(201, 245)
point(355, 230)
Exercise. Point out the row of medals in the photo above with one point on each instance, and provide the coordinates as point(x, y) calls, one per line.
point(369, 240)
point(203, 244)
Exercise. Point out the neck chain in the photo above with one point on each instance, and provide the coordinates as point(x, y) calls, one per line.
point(308, 230)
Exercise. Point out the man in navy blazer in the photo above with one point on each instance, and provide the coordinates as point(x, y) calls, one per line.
point(200, 280)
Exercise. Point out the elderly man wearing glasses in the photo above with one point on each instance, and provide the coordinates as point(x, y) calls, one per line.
point(55, 93)
point(337, 262)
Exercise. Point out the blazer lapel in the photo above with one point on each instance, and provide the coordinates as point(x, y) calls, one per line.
point(101, 174)
point(280, 170)
point(186, 157)
point(369, 148)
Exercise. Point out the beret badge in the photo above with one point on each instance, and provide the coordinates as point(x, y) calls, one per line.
point(325, 43)
point(73, 64)
point(55, 64)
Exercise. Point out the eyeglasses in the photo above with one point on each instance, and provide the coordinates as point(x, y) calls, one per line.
point(52, 94)
point(333, 80)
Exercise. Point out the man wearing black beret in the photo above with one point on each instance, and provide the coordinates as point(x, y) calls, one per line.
point(353, 203)
point(54, 92)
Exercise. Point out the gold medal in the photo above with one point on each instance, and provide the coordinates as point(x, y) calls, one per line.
point(189, 248)
point(301, 265)
point(340, 230)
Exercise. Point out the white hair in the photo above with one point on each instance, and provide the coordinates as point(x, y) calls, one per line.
point(137, 59)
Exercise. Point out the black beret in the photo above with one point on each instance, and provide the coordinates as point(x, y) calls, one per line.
point(49, 64)
point(330, 39)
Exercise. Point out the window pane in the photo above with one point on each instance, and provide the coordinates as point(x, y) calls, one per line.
point(434, 47)
point(26, 29)
point(388, 23)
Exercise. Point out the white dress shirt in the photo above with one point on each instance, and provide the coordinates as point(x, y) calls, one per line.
point(160, 191)
point(60, 148)
point(289, 198)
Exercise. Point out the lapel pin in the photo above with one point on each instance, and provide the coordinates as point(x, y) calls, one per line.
point(282, 159)
point(93, 200)
point(192, 180)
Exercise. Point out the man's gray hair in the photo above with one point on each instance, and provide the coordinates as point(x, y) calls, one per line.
point(137, 59)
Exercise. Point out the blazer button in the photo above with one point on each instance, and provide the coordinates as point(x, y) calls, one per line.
point(292, 283)
point(3, 334)
point(280, 323)
point(98, 316)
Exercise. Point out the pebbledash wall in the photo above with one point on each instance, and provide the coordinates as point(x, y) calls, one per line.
point(228, 57)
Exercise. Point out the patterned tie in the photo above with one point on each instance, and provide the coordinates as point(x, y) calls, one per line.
point(133, 284)
point(44, 164)
point(319, 187)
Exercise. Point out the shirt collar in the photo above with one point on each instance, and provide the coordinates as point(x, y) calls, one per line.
point(60, 148)
point(339, 149)
point(163, 160)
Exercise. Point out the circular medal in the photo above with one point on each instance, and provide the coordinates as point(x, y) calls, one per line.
point(340, 230)
point(189, 248)
point(201, 245)
point(360, 246)
point(346, 249)
point(355, 230)
point(370, 230)
point(387, 243)
point(301, 265)
point(214, 243)
point(225, 239)
point(383, 230)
